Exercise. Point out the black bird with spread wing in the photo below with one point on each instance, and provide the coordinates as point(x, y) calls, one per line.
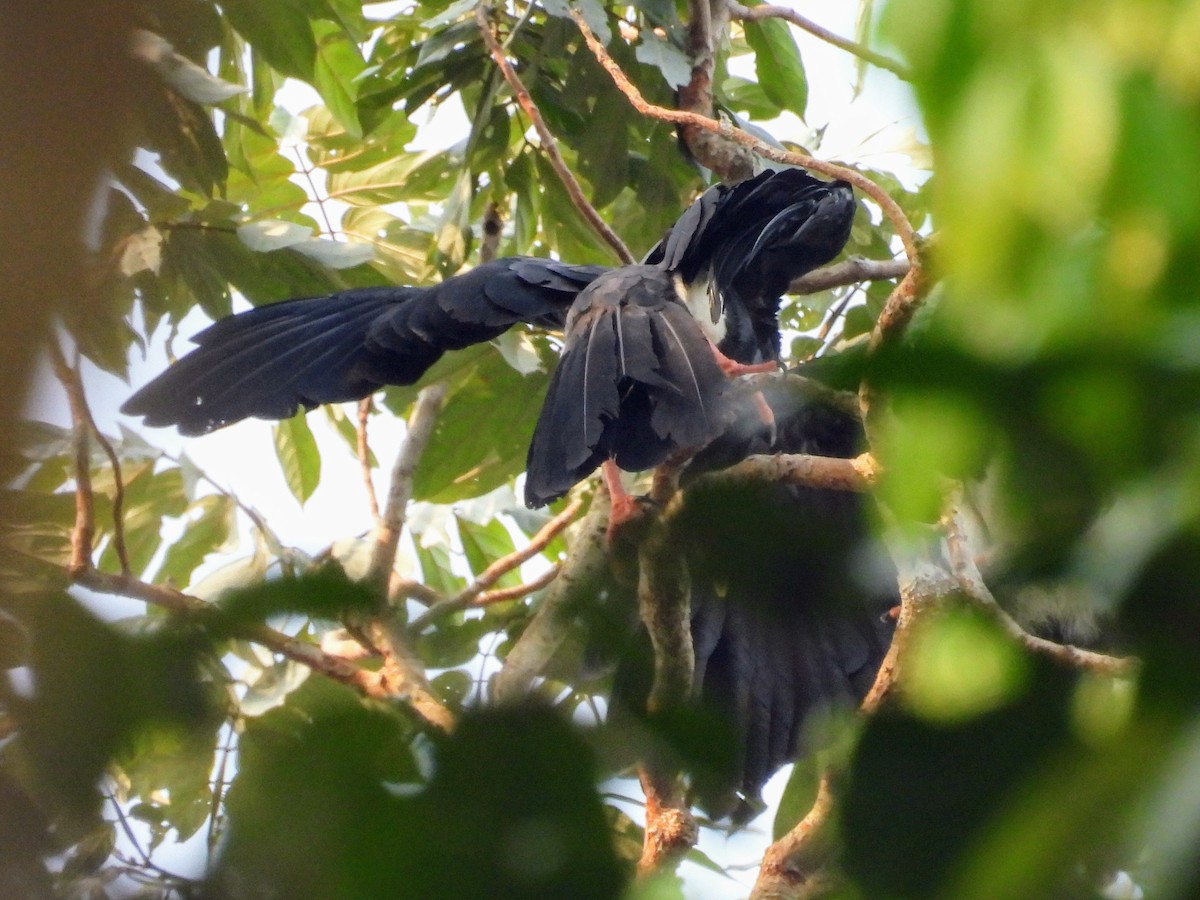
point(648, 351)
point(638, 380)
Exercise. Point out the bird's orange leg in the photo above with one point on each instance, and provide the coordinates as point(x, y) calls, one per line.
point(624, 507)
point(733, 368)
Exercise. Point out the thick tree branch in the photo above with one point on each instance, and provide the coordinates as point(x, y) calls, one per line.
point(847, 272)
point(664, 604)
point(756, 13)
point(801, 863)
point(859, 474)
point(706, 19)
point(583, 567)
point(797, 865)
point(470, 595)
point(549, 145)
point(403, 674)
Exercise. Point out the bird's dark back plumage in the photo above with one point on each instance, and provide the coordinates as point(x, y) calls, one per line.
point(637, 380)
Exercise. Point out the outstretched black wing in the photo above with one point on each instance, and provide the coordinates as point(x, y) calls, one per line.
point(273, 360)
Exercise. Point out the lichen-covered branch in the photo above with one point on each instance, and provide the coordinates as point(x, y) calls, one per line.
point(586, 562)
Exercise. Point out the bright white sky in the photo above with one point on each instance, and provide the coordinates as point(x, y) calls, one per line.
point(875, 128)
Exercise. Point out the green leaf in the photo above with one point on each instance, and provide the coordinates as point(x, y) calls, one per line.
point(748, 97)
point(339, 65)
point(208, 532)
point(298, 456)
point(97, 689)
point(279, 30)
point(323, 594)
point(666, 57)
point(484, 544)
point(452, 687)
point(482, 435)
point(778, 65)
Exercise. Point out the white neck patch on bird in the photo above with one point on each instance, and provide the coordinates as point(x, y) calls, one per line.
point(703, 302)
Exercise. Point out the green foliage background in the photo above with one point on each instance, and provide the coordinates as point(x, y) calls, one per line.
point(1060, 346)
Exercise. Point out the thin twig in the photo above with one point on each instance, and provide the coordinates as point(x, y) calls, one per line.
point(387, 535)
point(469, 596)
point(970, 580)
point(273, 541)
point(83, 532)
point(549, 145)
point(369, 684)
point(145, 862)
point(487, 598)
point(364, 459)
point(306, 169)
point(755, 13)
point(79, 406)
point(891, 209)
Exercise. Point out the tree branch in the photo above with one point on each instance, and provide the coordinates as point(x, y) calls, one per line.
point(586, 561)
point(756, 13)
point(470, 595)
point(182, 604)
point(83, 533)
point(970, 580)
point(728, 159)
point(664, 600)
point(487, 598)
point(363, 450)
point(891, 209)
point(796, 865)
point(549, 145)
point(387, 535)
point(799, 865)
point(859, 474)
point(847, 272)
